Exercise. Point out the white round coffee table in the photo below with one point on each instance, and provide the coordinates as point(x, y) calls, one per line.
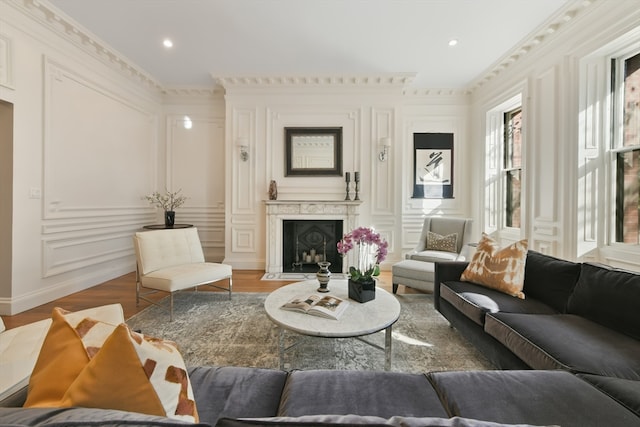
point(359, 318)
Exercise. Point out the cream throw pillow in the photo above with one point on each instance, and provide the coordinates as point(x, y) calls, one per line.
point(499, 269)
point(436, 242)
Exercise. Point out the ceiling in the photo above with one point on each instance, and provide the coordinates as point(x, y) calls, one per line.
point(259, 38)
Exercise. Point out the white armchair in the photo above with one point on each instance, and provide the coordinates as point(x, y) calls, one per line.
point(171, 261)
point(429, 247)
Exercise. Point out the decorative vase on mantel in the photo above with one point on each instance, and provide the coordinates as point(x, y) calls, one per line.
point(362, 291)
point(323, 275)
point(169, 218)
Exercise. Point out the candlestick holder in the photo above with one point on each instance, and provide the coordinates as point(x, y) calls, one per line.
point(347, 197)
point(357, 190)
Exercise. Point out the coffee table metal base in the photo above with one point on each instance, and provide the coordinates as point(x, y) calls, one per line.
point(282, 348)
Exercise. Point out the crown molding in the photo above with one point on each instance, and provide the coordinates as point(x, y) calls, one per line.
point(192, 91)
point(536, 38)
point(381, 81)
point(51, 18)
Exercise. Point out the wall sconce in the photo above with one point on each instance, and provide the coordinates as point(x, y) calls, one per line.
point(243, 146)
point(384, 145)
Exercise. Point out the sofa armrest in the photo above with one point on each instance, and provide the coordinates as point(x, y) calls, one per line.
point(444, 272)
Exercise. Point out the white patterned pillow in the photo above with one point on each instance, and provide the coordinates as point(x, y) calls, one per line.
point(436, 242)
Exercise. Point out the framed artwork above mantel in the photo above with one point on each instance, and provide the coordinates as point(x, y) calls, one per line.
point(313, 151)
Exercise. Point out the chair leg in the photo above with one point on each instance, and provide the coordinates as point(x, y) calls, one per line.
point(171, 307)
point(395, 288)
point(230, 287)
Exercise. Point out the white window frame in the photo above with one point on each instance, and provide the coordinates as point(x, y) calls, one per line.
point(495, 200)
point(617, 130)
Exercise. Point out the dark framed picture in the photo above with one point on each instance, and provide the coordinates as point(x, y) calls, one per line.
point(313, 151)
point(433, 166)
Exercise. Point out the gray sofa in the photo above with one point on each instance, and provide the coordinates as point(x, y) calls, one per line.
point(582, 318)
point(240, 396)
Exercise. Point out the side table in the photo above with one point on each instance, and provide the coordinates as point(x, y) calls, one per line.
point(166, 227)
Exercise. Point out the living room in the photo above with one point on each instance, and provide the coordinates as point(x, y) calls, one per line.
point(93, 132)
point(537, 146)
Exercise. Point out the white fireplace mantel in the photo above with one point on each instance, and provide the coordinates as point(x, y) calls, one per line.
point(280, 210)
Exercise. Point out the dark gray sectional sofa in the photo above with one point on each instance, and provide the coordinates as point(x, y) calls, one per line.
point(569, 355)
point(227, 396)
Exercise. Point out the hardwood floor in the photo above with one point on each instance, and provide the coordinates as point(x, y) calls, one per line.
point(122, 290)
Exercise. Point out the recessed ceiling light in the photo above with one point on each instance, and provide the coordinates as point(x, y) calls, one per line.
point(167, 43)
point(453, 42)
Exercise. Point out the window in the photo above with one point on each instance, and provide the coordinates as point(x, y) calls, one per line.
point(512, 167)
point(504, 150)
point(626, 147)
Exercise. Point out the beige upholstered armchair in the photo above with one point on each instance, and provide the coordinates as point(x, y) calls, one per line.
point(443, 239)
point(172, 261)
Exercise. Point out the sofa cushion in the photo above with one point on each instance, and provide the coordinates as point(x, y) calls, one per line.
point(236, 391)
point(535, 397)
point(550, 280)
point(93, 364)
point(626, 392)
point(77, 417)
point(474, 301)
point(436, 242)
point(608, 296)
point(499, 269)
point(381, 394)
point(351, 420)
point(566, 341)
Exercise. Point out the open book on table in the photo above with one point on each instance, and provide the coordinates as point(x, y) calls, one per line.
point(318, 305)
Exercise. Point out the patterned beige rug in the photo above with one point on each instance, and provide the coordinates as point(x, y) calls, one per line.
point(211, 330)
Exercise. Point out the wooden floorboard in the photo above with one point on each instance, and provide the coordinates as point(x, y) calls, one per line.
point(122, 290)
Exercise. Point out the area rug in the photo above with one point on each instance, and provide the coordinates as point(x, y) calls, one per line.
point(300, 276)
point(210, 329)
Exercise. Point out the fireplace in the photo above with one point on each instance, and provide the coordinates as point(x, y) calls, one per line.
point(279, 211)
point(307, 242)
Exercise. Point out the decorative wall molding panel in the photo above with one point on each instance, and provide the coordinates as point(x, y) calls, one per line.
point(64, 254)
point(6, 61)
point(109, 139)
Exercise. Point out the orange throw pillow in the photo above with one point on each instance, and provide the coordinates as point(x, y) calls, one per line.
point(121, 370)
point(499, 269)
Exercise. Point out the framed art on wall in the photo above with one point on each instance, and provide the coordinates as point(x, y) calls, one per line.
point(433, 166)
point(313, 151)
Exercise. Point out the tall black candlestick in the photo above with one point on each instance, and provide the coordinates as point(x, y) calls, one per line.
point(347, 176)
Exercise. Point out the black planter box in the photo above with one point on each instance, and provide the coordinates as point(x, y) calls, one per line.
point(362, 292)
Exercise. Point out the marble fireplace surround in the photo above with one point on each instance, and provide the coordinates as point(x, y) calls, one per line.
point(280, 210)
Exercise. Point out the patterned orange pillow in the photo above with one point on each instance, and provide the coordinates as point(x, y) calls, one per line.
point(96, 365)
point(499, 269)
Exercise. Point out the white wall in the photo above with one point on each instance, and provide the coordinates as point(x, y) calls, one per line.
point(563, 201)
point(85, 143)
